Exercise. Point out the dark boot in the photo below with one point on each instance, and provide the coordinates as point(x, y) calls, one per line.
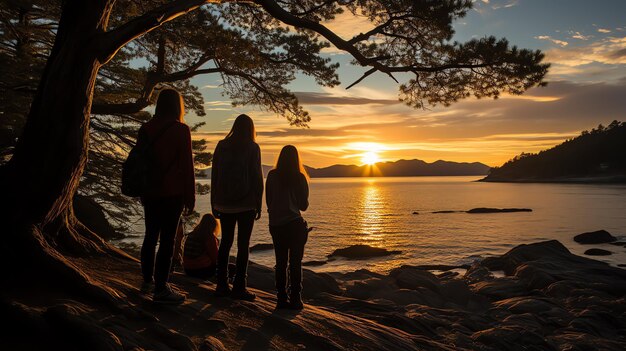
point(241, 293)
point(222, 289)
point(295, 302)
point(239, 289)
point(282, 301)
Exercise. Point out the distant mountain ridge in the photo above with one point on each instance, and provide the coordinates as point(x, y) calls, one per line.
point(598, 155)
point(400, 168)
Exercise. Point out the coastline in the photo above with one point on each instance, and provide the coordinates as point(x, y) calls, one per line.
point(621, 179)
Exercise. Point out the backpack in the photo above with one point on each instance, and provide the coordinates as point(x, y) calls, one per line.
point(135, 170)
point(233, 172)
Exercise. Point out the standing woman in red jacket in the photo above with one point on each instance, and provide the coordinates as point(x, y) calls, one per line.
point(170, 191)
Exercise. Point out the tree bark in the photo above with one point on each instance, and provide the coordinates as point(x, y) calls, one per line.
point(44, 173)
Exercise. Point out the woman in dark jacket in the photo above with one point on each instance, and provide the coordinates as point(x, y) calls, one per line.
point(236, 196)
point(288, 194)
point(170, 191)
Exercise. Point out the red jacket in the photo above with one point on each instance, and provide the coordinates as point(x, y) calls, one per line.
point(172, 171)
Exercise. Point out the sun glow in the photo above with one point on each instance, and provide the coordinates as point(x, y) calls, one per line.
point(369, 152)
point(370, 158)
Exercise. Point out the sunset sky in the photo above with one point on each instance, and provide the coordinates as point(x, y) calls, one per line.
point(585, 41)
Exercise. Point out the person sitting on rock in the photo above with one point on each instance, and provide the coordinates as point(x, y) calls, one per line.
point(200, 249)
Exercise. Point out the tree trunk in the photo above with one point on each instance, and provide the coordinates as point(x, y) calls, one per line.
point(44, 173)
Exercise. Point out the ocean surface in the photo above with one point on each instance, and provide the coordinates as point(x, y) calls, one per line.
point(379, 212)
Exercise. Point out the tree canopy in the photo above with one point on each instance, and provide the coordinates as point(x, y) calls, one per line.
point(257, 48)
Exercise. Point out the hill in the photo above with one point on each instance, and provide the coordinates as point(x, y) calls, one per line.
point(400, 168)
point(598, 155)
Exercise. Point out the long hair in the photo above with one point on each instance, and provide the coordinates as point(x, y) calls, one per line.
point(208, 225)
point(289, 165)
point(170, 105)
point(242, 130)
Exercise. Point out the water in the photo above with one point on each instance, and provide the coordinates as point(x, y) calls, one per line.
point(379, 212)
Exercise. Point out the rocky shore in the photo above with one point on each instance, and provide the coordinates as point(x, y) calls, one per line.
point(542, 298)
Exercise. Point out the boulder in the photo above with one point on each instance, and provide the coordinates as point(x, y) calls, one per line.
point(362, 251)
point(498, 210)
point(314, 263)
point(597, 237)
point(598, 252)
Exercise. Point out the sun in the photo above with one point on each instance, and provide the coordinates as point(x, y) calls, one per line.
point(370, 158)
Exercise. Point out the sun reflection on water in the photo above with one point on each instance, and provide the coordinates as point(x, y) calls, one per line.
point(370, 212)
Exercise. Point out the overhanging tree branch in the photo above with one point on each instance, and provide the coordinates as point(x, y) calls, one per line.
point(115, 39)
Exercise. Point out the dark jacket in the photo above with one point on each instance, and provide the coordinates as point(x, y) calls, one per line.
point(236, 177)
point(284, 200)
point(171, 172)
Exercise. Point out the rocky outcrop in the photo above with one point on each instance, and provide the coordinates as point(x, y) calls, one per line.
point(362, 251)
point(498, 210)
point(597, 237)
point(548, 299)
point(598, 252)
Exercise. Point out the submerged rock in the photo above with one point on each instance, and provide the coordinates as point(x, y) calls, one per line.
point(597, 237)
point(598, 252)
point(498, 210)
point(261, 247)
point(362, 251)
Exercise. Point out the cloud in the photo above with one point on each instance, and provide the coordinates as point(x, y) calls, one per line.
point(486, 130)
point(312, 98)
point(218, 103)
point(555, 41)
point(578, 35)
point(209, 86)
point(604, 30)
point(606, 51)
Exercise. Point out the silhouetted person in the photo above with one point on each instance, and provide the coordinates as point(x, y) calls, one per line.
point(200, 250)
point(170, 190)
point(287, 193)
point(236, 197)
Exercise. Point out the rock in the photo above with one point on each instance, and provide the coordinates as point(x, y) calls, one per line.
point(597, 237)
point(314, 263)
point(91, 214)
point(440, 267)
point(212, 344)
point(498, 210)
point(598, 252)
point(415, 213)
point(512, 338)
point(408, 277)
point(362, 251)
point(261, 247)
point(621, 265)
